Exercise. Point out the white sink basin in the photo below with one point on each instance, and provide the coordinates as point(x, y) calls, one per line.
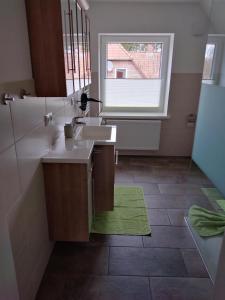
point(97, 133)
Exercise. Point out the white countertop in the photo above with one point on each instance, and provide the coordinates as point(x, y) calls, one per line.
point(74, 150)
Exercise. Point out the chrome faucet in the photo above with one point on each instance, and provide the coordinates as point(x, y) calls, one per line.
point(5, 98)
point(76, 122)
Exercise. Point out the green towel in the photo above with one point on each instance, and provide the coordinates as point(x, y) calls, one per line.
point(221, 203)
point(205, 222)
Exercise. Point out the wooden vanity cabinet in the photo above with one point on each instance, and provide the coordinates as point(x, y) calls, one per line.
point(103, 177)
point(74, 192)
point(68, 188)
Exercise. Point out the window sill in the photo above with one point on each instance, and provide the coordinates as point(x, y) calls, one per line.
point(148, 116)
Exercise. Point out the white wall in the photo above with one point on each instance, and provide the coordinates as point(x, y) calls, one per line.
point(24, 240)
point(14, 46)
point(207, 6)
point(217, 16)
point(185, 20)
point(181, 19)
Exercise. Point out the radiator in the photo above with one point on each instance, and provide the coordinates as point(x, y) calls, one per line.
point(137, 134)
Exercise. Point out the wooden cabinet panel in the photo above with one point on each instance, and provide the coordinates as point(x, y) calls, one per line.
point(46, 44)
point(68, 202)
point(104, 175)
point(59, 33)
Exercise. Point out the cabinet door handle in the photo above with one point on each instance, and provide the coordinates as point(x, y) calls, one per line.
point(116, 157)
point(73, 54)
point(66, 42)
point(89, 46)
point(78, 44)
point(83, 46)
point(71, 40)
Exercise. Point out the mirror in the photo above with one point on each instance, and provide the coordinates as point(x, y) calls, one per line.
point(76, 41)
point(214, 65)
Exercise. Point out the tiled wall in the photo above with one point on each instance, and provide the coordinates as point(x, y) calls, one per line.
point(14, 87)
point(24, 140)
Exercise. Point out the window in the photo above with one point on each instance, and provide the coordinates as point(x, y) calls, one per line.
point(135, 73)
point(121, 73)
point(213, 59)
point(209, 62)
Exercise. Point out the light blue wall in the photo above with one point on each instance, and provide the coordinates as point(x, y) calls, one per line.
point(209, 143)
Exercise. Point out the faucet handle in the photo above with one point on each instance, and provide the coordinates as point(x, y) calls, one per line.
point(5, 98)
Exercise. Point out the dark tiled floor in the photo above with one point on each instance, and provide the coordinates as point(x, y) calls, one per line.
point(181, 288)
point(165, 266)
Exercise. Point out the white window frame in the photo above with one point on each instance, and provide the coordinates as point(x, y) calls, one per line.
point(217, 58)
point(166, 65)
point(124, 69)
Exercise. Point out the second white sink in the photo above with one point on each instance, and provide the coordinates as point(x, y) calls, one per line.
point(97, 133)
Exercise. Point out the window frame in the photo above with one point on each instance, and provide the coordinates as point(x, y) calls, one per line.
point(167, 39)
point(217, 57)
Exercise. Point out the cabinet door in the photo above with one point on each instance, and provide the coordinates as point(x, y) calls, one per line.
point(66, 189)
point(103, 173)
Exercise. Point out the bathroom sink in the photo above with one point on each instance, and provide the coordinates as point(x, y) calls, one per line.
point(97, 133)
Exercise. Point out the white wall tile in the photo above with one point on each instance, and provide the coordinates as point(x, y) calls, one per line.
point(29, 151)
point(6, 132)
point(29, 236)
point(8, 283)
point(9, 178)
point(27, 114)
point(54, 104)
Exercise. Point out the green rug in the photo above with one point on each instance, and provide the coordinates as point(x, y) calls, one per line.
point(129, 216)
point(214, 194)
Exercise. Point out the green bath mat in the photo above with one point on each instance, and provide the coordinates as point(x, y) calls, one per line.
point(129, 216)
point(214, 194)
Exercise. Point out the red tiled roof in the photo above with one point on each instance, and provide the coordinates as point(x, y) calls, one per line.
point(117, 52)
point(147, 63)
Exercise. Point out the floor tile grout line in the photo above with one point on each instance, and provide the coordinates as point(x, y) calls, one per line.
point(108, 261)
point(150, 289)
point(137, 276)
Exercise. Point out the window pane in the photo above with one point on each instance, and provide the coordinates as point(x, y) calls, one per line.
point(208, 65)
point(137, 70)
point(137, 60)
point(132, 92)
